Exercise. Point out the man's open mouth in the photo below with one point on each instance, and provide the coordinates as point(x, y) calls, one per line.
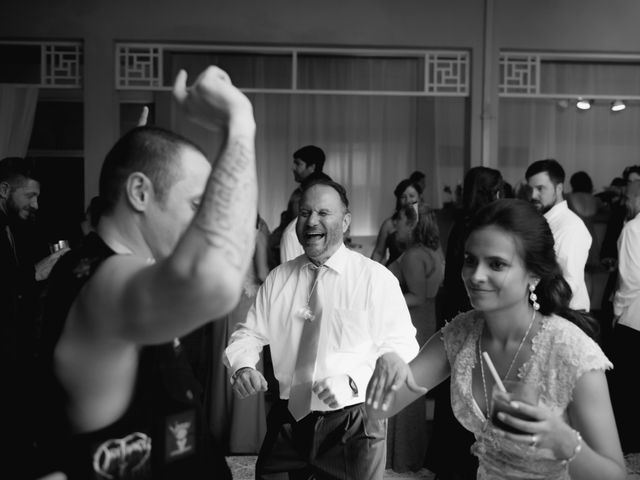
point(313, 236)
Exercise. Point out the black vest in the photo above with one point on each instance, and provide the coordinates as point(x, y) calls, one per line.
point(161, 435)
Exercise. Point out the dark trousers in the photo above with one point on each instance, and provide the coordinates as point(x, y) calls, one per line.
point(340, 445)
point(625, 344)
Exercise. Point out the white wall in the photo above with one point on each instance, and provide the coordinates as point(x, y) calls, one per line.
point(564, 25)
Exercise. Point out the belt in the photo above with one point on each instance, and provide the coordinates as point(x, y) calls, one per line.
point(322, 413)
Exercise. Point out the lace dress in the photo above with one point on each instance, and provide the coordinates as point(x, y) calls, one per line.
point(561, 354)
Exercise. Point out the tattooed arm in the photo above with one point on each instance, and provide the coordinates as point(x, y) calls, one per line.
point(201, 279)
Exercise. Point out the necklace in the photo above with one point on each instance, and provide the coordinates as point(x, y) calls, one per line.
point(305, 312)
point(513, 361)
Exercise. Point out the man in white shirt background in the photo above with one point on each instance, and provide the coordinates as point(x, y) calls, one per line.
point(308, 163)
point(358, 311)
point(570, 234)
point(625, 342)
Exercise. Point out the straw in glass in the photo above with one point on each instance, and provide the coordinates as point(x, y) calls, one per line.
point(494, 372)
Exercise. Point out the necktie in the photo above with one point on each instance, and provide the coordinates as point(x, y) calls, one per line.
point(302, 382)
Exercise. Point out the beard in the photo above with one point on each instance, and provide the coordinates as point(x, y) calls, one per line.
point(541, 207)
point(545, 208)
point(17, 214)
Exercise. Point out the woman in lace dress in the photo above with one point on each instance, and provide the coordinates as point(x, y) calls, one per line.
point(521, 318)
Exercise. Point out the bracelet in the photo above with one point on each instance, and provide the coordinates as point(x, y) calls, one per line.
point(576, 450)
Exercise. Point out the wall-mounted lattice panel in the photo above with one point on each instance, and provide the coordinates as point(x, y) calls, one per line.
point(519, 74)
point(562, 75)
point(62, 65)
point(447, 73)
point(42, 64)
point(141, 66)
point(138, 66)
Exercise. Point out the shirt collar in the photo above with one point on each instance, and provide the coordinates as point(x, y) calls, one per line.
point(557, 209)
point(337, 261)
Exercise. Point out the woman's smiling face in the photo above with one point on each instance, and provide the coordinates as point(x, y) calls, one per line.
point(494, 273)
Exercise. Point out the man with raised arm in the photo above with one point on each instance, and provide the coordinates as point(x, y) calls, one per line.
point(170, 254)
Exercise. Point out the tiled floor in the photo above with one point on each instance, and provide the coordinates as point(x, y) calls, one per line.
point(243, 469)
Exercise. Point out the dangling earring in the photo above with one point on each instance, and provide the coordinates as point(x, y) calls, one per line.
point(533, 297)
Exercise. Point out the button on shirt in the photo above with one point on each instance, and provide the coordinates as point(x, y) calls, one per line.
point(364, 315)
point(626, 302)
point(572, 243)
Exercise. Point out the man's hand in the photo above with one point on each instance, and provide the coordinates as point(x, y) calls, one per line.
point(44, 266)
point(212, 101)
point(334, 391)
point(249, 381)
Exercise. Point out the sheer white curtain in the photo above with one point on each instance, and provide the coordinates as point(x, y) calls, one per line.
point(17, 111)
point(597, 141)
point(371, 142)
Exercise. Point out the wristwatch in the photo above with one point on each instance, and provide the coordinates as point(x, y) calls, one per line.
point(354, 387)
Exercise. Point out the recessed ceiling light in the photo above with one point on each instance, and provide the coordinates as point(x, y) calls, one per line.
point(583, 104)
point(617, 106)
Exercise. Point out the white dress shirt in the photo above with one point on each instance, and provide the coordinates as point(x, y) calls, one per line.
point(626, 301)
point(572, 243)
point(290, 246)
point(363, 316)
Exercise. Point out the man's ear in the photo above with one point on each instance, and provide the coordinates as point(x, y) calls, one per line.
point(138, 191)
point(560, 189)
point(5, 190)
point(346, 222)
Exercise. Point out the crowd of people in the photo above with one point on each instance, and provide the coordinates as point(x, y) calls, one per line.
point(181, 329)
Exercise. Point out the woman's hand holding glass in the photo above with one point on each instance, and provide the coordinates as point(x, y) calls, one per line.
point(539, 427)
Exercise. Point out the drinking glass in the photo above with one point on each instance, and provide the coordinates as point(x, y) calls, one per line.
point(516, 390)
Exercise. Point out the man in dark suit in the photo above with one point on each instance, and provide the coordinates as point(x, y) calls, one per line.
point(19, 276)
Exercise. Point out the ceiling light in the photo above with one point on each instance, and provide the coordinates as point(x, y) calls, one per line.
point(583, 104)
point(618, 106)
point(563, 103)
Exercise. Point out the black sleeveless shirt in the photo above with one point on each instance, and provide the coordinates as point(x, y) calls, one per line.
point(162, 434)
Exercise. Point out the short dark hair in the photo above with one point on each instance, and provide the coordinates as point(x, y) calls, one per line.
point(330, 183)
point(618, 182)
point(629, 170)
point(548, 165)
point(417, 176)
point(311, 155)
point(14, 170)
point(581, 182)
point(535, 245)
point(149, 150)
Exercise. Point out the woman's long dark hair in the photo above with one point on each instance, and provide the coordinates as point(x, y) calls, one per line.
point(425, 230)
point(535, 244)
point(482, 185)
